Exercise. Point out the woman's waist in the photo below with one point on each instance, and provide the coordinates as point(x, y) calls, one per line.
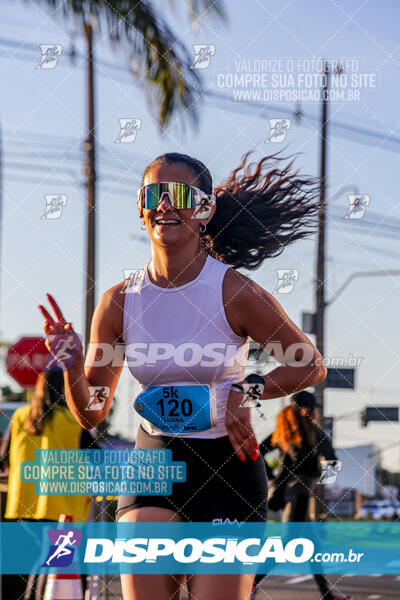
point(161, 439)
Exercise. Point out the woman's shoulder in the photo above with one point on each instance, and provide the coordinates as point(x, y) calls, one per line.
point(244, 300)
point(113, 298)
point(241, 287)
point(21, 413)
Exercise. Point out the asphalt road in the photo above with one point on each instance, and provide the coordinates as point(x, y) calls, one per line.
point(303, 587)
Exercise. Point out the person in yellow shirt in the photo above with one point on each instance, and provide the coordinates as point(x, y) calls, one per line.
point(45, 423)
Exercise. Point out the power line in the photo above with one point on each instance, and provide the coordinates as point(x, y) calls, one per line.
point(32, 179)
point(116, 155)
point(369, 214)
point(362, 226)
point(341, 128)
point(76, 156)
point(368, 228)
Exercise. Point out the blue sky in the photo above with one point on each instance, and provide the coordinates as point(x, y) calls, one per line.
point(43, 117)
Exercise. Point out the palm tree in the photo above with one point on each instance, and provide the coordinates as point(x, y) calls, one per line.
point(158, 58)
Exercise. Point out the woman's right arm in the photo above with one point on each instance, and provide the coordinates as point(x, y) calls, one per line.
point(104, 360)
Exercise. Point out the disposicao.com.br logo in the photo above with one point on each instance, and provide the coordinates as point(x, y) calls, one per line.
point(193, 550)
point(108, 547)
point(62, 547)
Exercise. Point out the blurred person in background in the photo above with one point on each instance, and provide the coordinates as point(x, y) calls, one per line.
point(302, 444)
point(45, 423)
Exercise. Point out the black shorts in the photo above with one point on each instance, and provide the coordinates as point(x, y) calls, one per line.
point(218, 485)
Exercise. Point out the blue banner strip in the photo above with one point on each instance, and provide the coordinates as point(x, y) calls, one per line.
point(277, 548)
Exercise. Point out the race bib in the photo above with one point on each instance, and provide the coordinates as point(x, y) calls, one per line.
point(179, 409)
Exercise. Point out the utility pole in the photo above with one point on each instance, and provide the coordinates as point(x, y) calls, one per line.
point(320, 268)
point(91, 189)
point(319, 316)
point(320, 303)
point(1, 207)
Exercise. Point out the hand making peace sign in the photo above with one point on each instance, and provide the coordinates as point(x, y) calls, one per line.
point(61, 340)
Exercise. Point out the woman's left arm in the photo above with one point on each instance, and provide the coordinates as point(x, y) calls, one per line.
point(253, 311)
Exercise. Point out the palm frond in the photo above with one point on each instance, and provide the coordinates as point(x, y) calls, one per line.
point(162, 61)
point(209, 8)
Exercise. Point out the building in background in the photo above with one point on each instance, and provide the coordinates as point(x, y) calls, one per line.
point(358, 469)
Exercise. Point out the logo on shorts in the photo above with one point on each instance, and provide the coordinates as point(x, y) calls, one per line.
point(227, 522)
point(63, 543)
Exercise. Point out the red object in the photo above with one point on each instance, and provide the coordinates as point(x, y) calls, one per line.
point(63, 586)
point(26, 359)
point(65, 519)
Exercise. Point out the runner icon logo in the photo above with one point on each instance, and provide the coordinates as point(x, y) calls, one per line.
point(128, 130)
point(202, 55)
point(286, 280)
point(54, 206)
point(63, 543)
point(252, 393)
point(98, 396)
point(63, 349)
point(203, 208)
point(278, 129)
point(50, 55)
point(357, 205)
point(133, 279)
point(330, 470)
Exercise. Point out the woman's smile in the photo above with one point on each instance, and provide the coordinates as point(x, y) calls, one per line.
point(165, 222)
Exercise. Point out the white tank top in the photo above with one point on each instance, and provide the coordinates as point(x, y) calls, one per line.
point(181, 335)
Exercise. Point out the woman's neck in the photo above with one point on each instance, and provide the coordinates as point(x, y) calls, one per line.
point(167, 268)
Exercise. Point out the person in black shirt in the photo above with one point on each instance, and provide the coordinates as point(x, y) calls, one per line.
point(303, 444)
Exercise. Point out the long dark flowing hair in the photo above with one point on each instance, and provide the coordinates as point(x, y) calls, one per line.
point(258, 212)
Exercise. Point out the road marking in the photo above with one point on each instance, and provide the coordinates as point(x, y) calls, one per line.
point(378, 575)
point(299, 579)
point(374, 597)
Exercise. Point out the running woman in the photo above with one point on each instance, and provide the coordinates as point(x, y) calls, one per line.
point(186, 319)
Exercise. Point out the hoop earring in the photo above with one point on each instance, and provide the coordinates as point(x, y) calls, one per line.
point(203, 228)
point(143, 226)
